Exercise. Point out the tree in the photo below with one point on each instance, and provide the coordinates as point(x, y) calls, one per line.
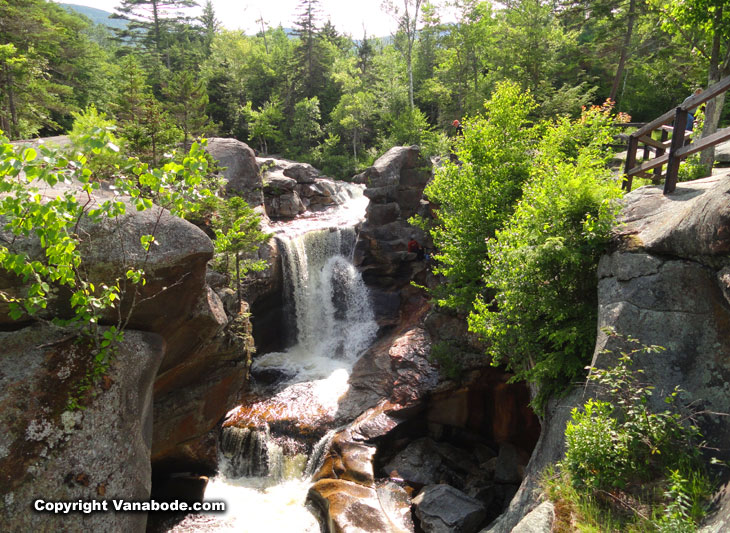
point(475, 198)
point(149, 22)
point(308, 52)
point(187, 101)
point(352, 115)
point(705, 25)
point(143, 121)
point(210, 24)
point(408, 27)
point(238, 233)
point(264, 123)
point(305, 128)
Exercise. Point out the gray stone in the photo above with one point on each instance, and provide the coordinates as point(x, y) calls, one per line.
point(507, 469)
point(302, 172)
point(287, 205)
point(418, 463)
point(99, 453)
point(242, 172)
point(722, 152)
point(383, 213)
point(276, 184)
point(444, 509)
point(539, 520)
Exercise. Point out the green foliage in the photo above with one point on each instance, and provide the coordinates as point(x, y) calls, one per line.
point(476, 195)
point(264, 124)
point(446, 355)
point(306, 129)
point(620, 444)
point(542, 264)
point(238, 236)
point(94, 129)
point(187, 101)
point(44, 232)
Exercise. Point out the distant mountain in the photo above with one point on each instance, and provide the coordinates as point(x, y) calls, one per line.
point(97, 16)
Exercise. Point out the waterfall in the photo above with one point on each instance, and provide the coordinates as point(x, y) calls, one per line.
point(327, 304)
point(330, 323)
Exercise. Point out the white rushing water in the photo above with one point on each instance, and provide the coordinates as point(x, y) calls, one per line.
point(333, 323)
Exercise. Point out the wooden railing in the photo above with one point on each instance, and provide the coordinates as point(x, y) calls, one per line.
point(679, 145)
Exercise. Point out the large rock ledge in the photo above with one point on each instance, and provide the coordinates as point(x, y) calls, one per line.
point(667, 282)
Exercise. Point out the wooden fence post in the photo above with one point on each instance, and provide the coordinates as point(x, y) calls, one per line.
point(630, 162)
point(659, 153)
point(680, 125)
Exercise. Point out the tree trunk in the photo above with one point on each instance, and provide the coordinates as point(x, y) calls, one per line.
point(624, 50)
point(354, 143)
point(718, 69)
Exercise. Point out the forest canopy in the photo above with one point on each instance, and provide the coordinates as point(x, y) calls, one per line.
point(172, 72)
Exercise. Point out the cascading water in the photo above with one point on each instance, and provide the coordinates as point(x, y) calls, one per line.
point(265, 481)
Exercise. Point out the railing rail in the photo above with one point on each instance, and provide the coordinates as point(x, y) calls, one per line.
point(679, 145)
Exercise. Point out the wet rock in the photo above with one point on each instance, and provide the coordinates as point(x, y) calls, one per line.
point(51, 452)
point(350, 507)
point(508, 465)
point(286, 205)
point(242, 172)
point(444, 509)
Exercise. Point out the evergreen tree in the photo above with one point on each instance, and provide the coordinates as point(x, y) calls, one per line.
point(308, 54)
point(149, 22)
point(210, 25)
point(187, 101)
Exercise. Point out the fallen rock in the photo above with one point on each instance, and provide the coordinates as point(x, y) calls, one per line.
point(444, 509)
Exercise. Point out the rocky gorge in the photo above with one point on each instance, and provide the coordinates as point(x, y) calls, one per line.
point(405, 446)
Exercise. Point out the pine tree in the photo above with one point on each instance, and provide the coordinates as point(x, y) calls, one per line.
point(210, 25)
point(150, 21)
point(187, 101)
point(308, 54)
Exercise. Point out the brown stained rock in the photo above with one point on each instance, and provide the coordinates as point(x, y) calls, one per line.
point(353, 508)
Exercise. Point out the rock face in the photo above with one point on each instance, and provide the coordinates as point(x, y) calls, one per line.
point(292, 188)
point(242, 173)
point(203, 369)
point(394, 185)
point(665, 283)
point(48, 451)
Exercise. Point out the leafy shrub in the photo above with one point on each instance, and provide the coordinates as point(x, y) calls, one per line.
point(93, 128)
point(476, 195)
point(620, 444)
point(542, 263)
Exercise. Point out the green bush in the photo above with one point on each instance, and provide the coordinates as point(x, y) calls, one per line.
point(542, 264)
point(621, 444)
point(475, 195)
point(104, 159)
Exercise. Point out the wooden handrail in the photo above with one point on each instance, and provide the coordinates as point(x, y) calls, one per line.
point(678, 147)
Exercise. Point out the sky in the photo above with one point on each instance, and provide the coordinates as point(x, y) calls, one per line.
point(348, 16)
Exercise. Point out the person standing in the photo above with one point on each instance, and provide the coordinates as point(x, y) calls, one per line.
point(691, 111)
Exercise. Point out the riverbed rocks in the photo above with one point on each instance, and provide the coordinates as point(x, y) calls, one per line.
point(94, 448)
point(292, 189)
point(444, 509)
